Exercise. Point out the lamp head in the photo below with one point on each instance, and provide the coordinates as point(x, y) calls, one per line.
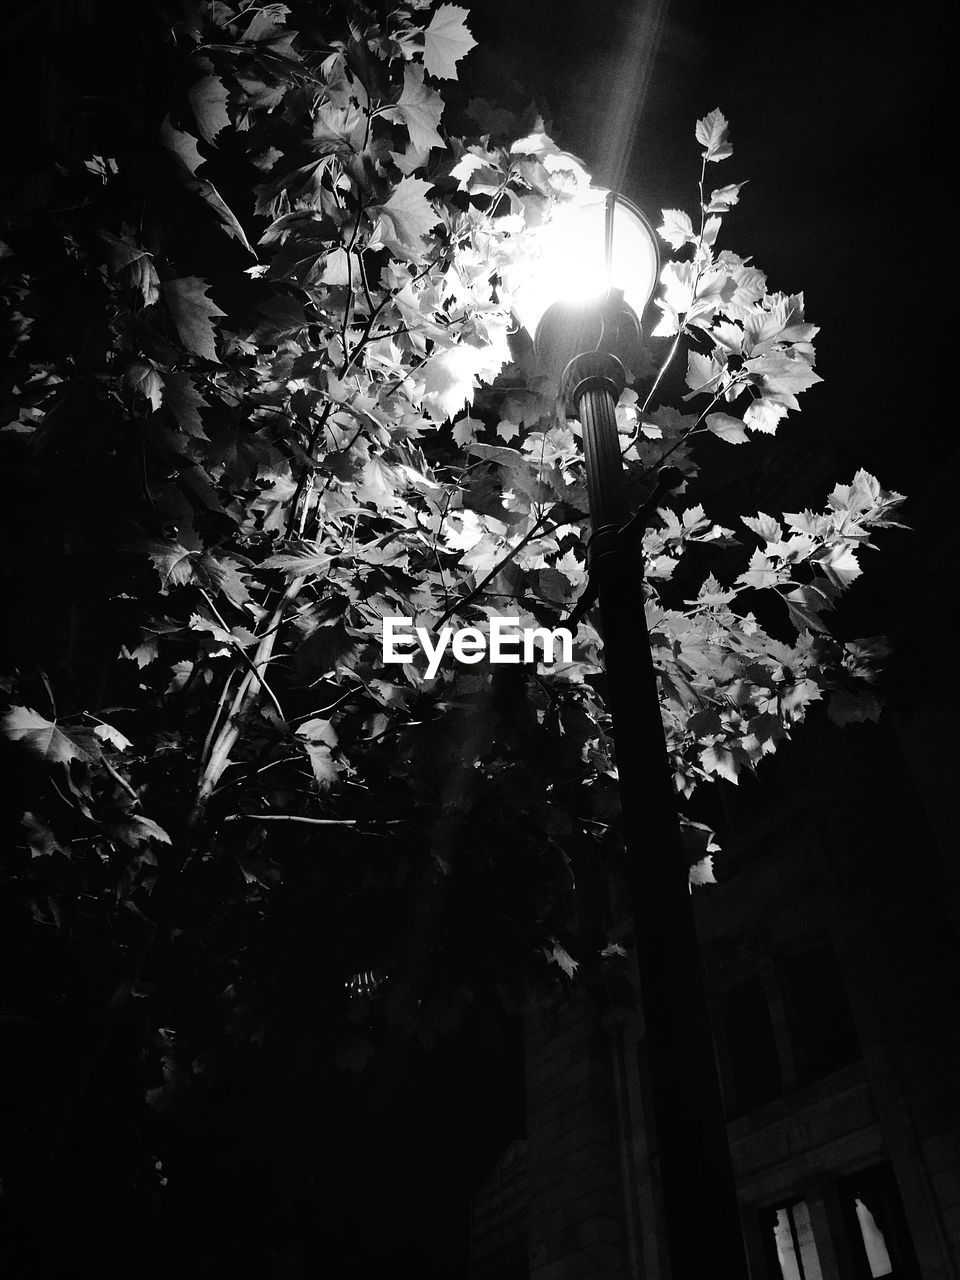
point(591, 280)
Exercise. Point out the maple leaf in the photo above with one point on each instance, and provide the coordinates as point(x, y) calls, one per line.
point(727, 428)
point(840, 566)
point(193, 314)
point(172, 561)
point(410, 217)
point(184, 401)
point(445, 41)
point(764, 415)
point(712, 135)
point(465, 168)
point(848, 707)
point(782, 372)
point(702, 872)
point(299, 561)
point(448, 380)
point(702, 371)
point(134, 266)
point(319, 738)
point(721, 760)
point(40, 838)
point(208, 100)
point(559, 955)
point(465, 430)
point(763, 526)
point(142, 379)
point(107, 733)
point(183, 146)
point(266, 23)
point(804, 605)
point(420, 110)
point(723, 199)
point(242, 453)
point(762, 572)
point(44, 738)
point(494, 121)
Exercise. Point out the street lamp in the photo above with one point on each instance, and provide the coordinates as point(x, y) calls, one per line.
point(583, 299)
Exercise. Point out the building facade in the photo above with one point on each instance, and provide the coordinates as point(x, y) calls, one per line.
point(831, 956)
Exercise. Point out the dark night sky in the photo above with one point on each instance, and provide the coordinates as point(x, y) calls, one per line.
point(831, 122)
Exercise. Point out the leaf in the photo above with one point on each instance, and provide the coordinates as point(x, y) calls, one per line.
point(142, 379)
point(299, 562)
point(107, 733)
point(846, 707)
point(721, 760)
point(763, 526)
point(840, 566)
point(702, 872)
point(208, 100)
point(184, 401)
point(193, 314)
point(727, 428)
point(143, 829)
point(319, 738)
point(318, 729)
point(173, 562)
point(43, 737)
point(267, 22)
point(510, 458)
point(445, 41)
point(448, 381)
point(764, 415)
point(507, 430)
point(40, 838)
point(676, 228)
point(702, 372)
point(465, 168)
point(410, 217)
point(804, 604)
point(242, 453)
point(712, 136)
point(762, 572)
point(134, 266)
point(559, 955)
point(420, 110)
point(183, 146)
point(723, 199)
point(782, 372)
point(465, 430)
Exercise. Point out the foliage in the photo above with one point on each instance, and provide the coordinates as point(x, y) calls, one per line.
point(266, 390)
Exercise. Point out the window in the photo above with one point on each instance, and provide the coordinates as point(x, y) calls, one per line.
point(790, 1246)
point(873, 1241)
point(877, 1226)
point(752, 1059)
point(821, 1024)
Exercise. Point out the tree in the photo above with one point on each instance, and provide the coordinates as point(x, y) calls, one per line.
point(267, 391)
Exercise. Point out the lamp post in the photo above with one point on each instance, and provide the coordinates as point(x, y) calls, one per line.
point(599, 262)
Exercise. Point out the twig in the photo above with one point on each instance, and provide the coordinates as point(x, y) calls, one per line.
point(244, 656)
point(463, 601)
point(317, 822)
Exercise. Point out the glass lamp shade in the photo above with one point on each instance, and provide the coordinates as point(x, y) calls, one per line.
point(594, 243)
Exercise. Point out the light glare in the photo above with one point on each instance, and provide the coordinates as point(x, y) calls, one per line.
point(570, 265)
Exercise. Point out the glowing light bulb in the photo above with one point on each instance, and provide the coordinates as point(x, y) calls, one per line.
point(594, 242)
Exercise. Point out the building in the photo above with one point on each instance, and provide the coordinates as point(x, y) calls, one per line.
point(832, 955)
